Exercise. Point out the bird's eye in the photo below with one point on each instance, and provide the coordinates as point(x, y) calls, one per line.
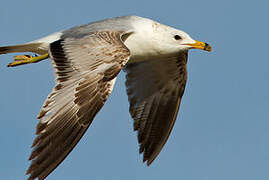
point(177, 37)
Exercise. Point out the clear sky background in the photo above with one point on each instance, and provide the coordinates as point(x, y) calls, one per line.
point(221, 131)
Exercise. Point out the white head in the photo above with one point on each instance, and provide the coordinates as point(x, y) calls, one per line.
point(171, 41)
point(154, 39)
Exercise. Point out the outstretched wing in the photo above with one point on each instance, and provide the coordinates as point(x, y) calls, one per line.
point(155, 89)
point(86, 70)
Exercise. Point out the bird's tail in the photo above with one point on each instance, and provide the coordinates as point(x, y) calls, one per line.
point(24, 59)
point(29, 47)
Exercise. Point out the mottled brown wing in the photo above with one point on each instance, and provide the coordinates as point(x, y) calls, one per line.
point(85, 70)
point(155, 89)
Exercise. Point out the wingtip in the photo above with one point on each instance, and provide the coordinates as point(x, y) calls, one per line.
point(4, 49)
point(149, 163)
point(149, 160)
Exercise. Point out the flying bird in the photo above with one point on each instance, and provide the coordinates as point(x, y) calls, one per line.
point(86, 61)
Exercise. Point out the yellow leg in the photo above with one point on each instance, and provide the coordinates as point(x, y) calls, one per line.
point(26, 59)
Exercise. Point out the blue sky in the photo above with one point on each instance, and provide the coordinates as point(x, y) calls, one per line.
point(222, 128)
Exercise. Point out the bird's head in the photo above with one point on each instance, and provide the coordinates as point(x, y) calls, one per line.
point(171, 40)
point(152, 40)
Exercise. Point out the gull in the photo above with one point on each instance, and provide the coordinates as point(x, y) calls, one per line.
point(86, 60)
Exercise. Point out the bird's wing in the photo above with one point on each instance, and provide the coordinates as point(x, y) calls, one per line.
point(85, 69)
point(155, 89)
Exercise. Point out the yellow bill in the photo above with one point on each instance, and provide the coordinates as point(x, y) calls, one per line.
point(200, 45)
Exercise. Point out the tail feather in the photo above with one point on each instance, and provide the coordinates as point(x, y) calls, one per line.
point(32, 47)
